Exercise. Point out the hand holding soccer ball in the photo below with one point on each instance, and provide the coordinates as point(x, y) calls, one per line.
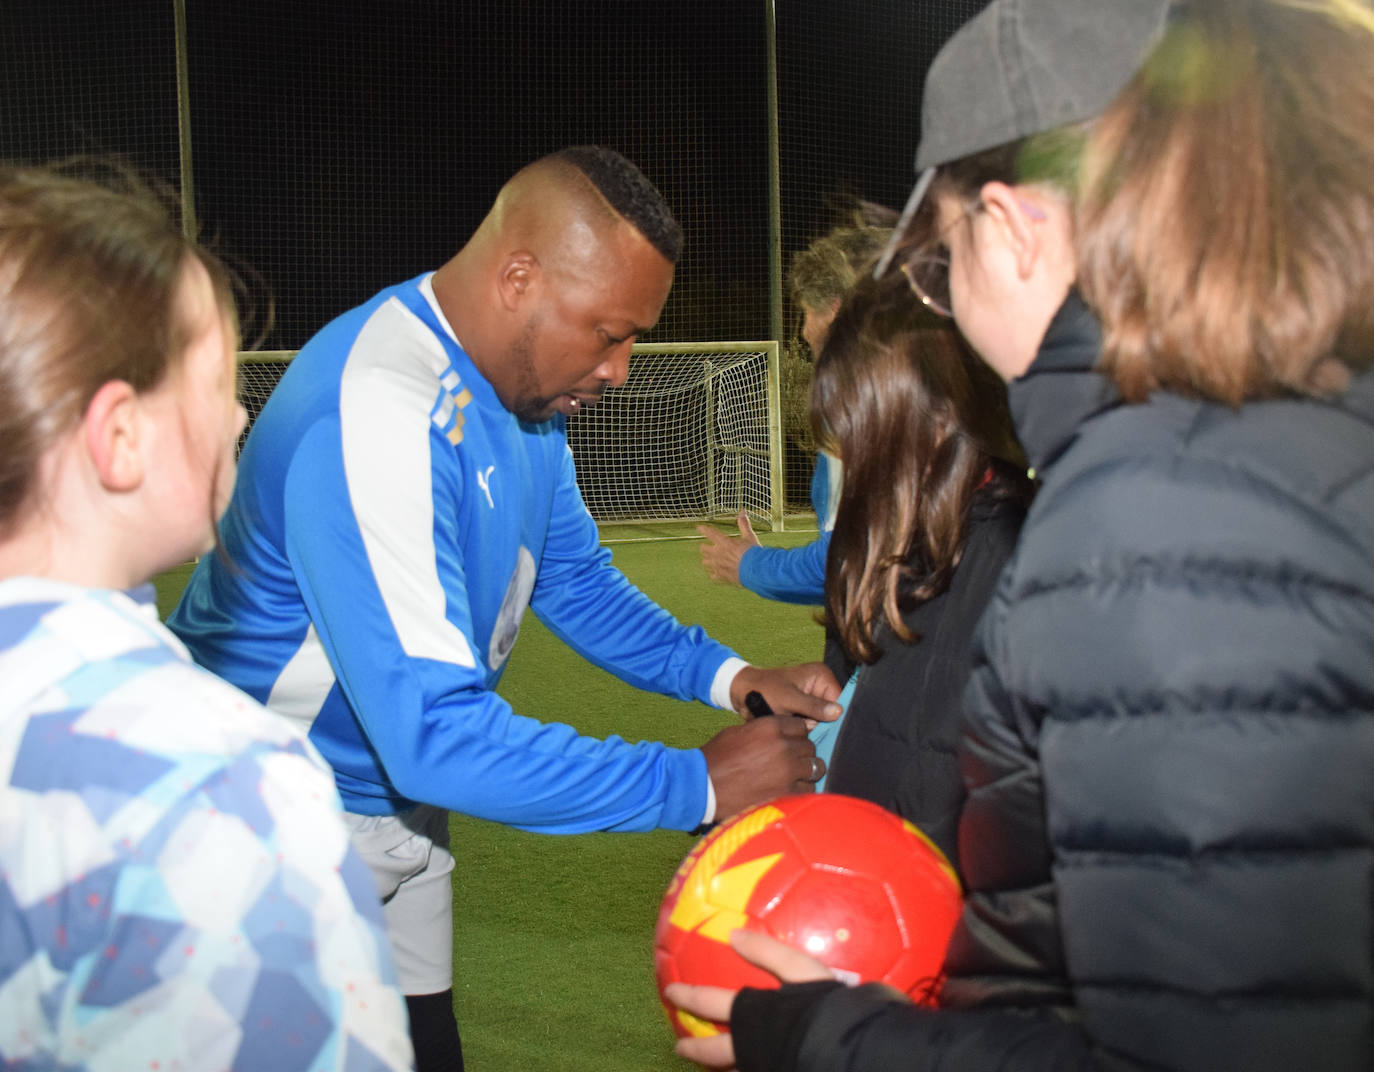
point(849, 885)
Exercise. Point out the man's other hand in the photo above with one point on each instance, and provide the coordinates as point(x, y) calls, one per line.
point(760, 760)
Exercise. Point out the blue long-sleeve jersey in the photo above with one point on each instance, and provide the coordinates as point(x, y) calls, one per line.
point(390, 524)
point(797, 574)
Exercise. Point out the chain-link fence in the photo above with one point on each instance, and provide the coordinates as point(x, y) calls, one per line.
point(333, 147)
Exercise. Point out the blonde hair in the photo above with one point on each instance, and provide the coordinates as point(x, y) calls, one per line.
point(824, 272)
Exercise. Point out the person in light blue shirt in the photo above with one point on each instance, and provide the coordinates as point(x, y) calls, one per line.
point(177, 885)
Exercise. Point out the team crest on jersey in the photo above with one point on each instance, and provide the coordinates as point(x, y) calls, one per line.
point(513, 606)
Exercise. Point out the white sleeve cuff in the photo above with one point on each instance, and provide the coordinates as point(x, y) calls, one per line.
point(710, 815)
point(725, 677)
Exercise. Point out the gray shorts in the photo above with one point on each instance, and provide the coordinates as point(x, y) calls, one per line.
point(409, 857)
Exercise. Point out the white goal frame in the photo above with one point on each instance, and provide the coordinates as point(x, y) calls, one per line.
point(728, 393)
point(694, 433)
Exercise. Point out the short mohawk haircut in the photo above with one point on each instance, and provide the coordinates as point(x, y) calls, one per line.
point(630, 193)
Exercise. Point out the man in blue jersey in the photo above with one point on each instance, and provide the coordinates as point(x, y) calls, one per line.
point(406, 493)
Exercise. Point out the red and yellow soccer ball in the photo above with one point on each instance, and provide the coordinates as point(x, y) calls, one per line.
point(859, 888)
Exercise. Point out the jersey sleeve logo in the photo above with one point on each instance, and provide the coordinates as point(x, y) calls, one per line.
point(448, 408)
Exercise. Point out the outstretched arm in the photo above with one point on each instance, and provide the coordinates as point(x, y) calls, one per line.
point(786, 574)
point(721, 554)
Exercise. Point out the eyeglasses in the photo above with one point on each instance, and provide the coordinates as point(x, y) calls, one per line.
point(927, 267)
point(928, 277)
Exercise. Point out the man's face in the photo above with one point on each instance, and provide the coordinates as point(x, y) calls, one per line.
point(577, 337)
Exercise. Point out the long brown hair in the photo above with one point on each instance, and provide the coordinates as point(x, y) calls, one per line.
point(1246, 147)
point(91, 260)
point(918, 423)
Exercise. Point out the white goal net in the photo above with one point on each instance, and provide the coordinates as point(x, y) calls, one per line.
point(258, 373)
point(693, 433)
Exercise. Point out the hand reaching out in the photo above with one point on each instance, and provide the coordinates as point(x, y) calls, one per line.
point(721, 554)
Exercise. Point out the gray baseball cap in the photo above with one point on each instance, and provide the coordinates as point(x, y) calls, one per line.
point(1021, 67)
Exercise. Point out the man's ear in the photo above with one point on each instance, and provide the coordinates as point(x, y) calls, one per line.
point(1017, 223)
point(112, 426)
point(519, 272)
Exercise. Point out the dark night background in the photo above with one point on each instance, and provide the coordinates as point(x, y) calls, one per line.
point(341, 146)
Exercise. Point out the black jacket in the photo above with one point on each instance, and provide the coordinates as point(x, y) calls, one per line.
point(1169, 835)
point(898, 744)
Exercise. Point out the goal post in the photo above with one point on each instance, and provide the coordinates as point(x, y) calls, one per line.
point(694, 433)
point(258, 373)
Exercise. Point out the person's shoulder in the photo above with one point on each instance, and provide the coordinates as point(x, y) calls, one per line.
point(396, 338)
point(344, 327)
point(157, 705)
point(144, 685)
point(1294, 451)
point(87, 642)
point(138, 719)
point(1297, 435)
point(1173, 481)
point(991, 534)
point(1319, 447)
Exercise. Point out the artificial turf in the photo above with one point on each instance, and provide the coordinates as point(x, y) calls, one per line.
point(553, 935)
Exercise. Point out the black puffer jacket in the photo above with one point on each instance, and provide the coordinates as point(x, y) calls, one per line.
point(898, 744)
point(1169, 835)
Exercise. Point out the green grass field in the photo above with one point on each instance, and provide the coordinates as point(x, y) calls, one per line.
point(553, 935)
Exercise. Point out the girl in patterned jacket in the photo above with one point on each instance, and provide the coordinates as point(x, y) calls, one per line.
point(176, 884)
